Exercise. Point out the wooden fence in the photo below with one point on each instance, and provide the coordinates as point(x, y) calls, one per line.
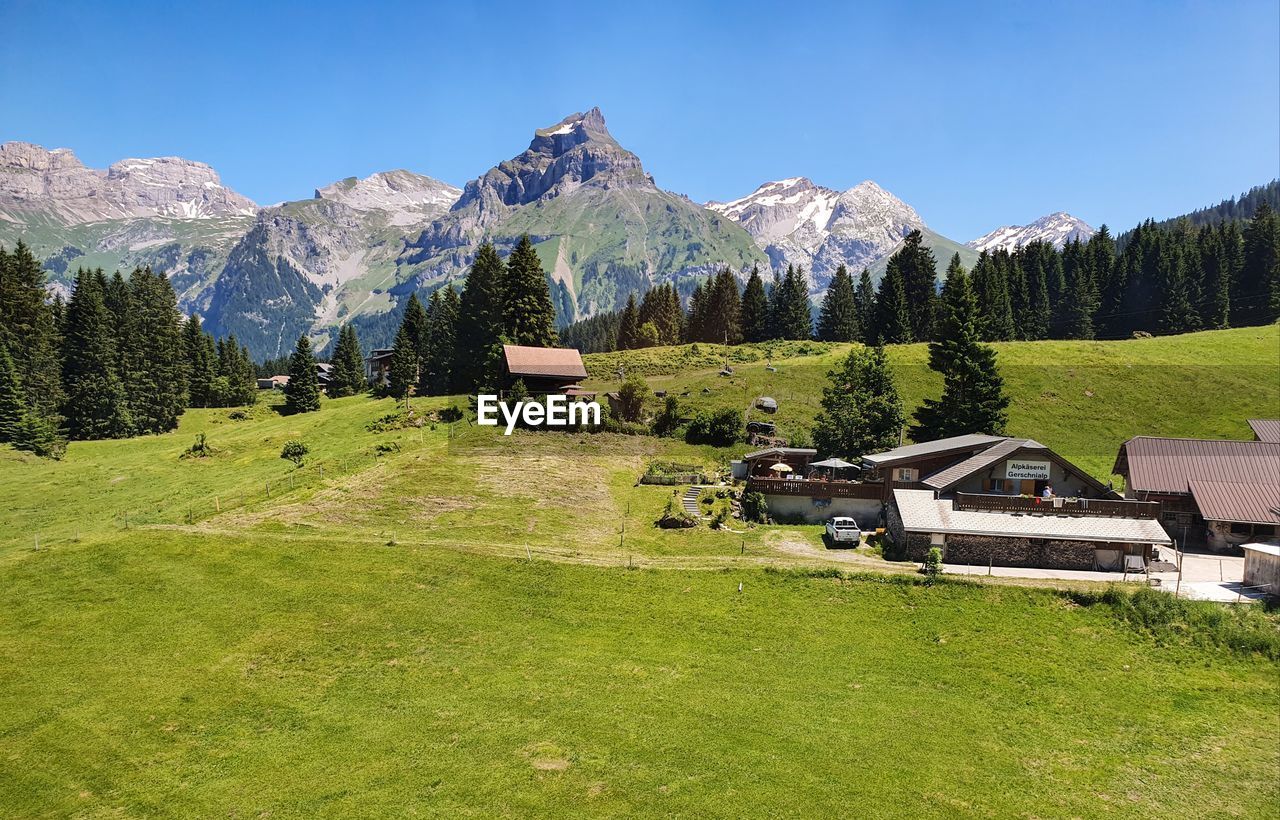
point(1099, 507)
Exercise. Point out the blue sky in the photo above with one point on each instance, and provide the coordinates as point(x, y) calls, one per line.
point(977, 115)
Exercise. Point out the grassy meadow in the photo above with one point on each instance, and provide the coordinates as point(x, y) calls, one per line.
point(440, 620)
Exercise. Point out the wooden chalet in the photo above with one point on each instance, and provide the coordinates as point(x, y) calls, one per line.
point(544, 369)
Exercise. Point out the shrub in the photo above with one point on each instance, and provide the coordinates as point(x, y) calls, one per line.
point(720, 428)
point(754, 507)
point(933, 563)
point(200, 449)
point(631, 398)
point(666, 422)
point(451, 414)
point(294, 451)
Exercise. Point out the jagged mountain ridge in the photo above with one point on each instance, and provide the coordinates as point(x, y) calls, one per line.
point(1057, 228)
point(602, 225)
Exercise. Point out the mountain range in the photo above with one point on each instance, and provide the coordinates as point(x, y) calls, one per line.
point(356, 249)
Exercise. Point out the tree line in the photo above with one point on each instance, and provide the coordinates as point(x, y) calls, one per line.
point(116, 359)
point(1166, 279)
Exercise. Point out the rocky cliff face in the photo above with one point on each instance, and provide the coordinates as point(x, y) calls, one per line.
point(34, 181)
point(1057, 228)
point(603, 227)
point(797, 222)
point(405, 197)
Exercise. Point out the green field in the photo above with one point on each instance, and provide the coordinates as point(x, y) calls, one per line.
point(438, 620)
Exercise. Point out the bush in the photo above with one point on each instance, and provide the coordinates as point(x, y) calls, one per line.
point(666, 422)
point(720, 428)
point(200, 449)
point(754, 507)
point(294, 451)
point(631, 398)
point(933, 563)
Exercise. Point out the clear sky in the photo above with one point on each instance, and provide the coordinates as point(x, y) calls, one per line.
point(977, 115)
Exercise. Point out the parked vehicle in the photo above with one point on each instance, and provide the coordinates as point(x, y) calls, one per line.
point(766, 428)
point(844, 530)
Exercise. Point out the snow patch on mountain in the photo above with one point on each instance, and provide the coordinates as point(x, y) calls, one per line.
point(1057, 228)
point(797, 222)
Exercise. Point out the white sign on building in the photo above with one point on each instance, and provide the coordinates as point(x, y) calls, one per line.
point(1020, 468)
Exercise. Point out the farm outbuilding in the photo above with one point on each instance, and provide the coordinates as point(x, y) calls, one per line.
point(1262, 568)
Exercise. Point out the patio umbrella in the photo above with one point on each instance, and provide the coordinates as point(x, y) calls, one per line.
point(781, 468)
point(834, 463)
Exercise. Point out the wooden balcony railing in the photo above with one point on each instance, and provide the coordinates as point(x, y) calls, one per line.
point(1100, 507)
point(814, 489)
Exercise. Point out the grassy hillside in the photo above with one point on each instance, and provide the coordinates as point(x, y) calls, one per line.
point(1081, 398)
point(442, 620)
point(192, 674)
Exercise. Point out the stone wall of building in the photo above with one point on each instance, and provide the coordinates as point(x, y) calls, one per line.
point(980, 550)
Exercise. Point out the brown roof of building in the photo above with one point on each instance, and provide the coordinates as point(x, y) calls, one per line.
point(1237, 502)
point(1169, 465)
point(1266, 429)
point(959, 471)
point(551, 362)
point(927, 449)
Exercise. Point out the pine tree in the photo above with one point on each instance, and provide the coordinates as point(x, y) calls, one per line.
point(13, 404)
point(236, 373)
point(529, 317)
point(414, 321)
point(865, 301)
point(723, 315)
point(893, 320)
point(1178, 299)
point(919, 271)
point(1260, 275)
point(1080, 297)
point(1215, 309)
point(775, 308)
point(437, 369)
point(861, 409)
point(29, 328)
point(838, 321)
point(201, 367)
point(1033, 314)
point(992, 292)
point(695, 322)
point(480, 324)
point(793, 318)
point(629, 325)
point(95, 403)
point(347, 377)
point(155, 363)
point(755, 309)
point(404, 365)
point(973, 398)
point(302, 393)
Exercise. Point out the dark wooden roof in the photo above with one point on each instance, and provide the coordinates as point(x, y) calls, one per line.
point(545, 362)
point(1169, 465)
point(1265, 429)
point(1237, 502)
point(928, 449)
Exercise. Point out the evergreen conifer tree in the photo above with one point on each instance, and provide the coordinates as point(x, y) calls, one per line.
point(838, 321)
point(530, 318)
point(992, 292)
point(155, 361)
point(723, 315)
point(95, 403)
point(31, 331)
point(480, 324)
point(302, 393)
point(201, 367)
point(919, 271)
point(437, 369)
point(13, 404)
point(893, 322)
point(347, 377)
point(414, 321)
point(861, 409)
point(1260, 274)
point(629, 325)
point(793, 319)
point(404, 365)
point(865, 301)
point(973, 398)
point(755, 309)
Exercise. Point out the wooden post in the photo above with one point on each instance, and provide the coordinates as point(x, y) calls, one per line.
point(268, 489)
point(321, 472)
point(527, 554)
point(217, 505)
point(126, 519)
point(37, 547)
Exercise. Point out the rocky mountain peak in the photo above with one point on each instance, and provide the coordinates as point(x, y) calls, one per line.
point(57, 183)
point(577, 151)
point(407, 198)
point(1057, 228)
point(798, 222)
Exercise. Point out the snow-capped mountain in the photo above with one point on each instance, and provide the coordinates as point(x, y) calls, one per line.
point(1058, 228)
point(797, 222)
point(56, 183)
point(407, 198)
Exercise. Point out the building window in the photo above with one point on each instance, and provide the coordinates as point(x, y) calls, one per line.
point(999, 485)
point(937, 539)
point(904, 474)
